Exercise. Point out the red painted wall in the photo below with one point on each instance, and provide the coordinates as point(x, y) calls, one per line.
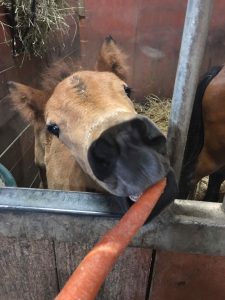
point(150, 32)
point(16, 138)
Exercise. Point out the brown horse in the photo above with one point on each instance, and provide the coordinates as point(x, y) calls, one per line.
point(205, 148)
point(88, 135)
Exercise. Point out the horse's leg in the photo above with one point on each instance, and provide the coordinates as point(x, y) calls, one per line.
point(205, 166)
point(215, 181)
point(193, 174)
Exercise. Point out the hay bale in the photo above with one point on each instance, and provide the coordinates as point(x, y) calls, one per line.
point(32, 22)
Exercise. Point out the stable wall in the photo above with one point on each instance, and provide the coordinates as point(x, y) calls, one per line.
point(150, 32)
point(16, 135)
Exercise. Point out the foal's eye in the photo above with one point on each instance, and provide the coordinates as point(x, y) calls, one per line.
point(127, 90)
point(54, 129)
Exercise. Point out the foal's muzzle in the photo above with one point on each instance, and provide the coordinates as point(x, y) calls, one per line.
point(129, 157)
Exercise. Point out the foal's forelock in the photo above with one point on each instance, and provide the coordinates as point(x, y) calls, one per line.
point(79, 85)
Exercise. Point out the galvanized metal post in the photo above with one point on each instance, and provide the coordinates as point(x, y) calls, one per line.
point(191, 53)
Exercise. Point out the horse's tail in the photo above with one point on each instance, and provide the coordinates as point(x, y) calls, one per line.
point(195, 137)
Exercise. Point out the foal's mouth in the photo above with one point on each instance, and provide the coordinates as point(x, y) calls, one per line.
point(134, 198)
point(129, 157)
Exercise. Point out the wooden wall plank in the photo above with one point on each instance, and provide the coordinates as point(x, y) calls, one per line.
point(10, 130)
point(11, 123)
point(27, 270)
point(120, 21)
point(159, 32)
point(25, 170)
point(26, 72)
point(7, 75)
point(128, 279)
point(36, 182)
point(68, 257)
point(188, 277)
point(18, 148)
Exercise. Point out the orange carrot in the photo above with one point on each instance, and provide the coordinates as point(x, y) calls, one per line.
point(87, 279)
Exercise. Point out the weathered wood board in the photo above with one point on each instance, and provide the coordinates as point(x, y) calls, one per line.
point(36, 270)
point(128, 279)
point(28, 270)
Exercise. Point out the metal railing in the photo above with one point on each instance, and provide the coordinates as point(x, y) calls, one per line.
point(186, 225)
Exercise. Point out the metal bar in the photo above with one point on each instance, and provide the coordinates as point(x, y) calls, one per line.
point(77, 203)
point(191, 53)
point(187, 226)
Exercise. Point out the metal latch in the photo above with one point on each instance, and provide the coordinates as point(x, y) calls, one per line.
point(81, 8)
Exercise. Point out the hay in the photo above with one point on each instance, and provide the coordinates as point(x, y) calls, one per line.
point(201, 188)
point(32, 21)
point(157, 109)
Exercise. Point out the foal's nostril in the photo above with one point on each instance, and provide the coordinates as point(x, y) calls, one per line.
point(149, 134)
point(104, 150)
point(139, 125)
point(102, 156)
point(157, 143)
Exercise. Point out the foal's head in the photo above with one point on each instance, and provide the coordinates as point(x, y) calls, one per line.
point(92, 114)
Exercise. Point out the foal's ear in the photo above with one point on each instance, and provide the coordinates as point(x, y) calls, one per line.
point(112, 59)
point(28, 101)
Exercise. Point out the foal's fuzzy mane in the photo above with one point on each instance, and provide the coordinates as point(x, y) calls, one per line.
point(56, 72)
point(110, 58)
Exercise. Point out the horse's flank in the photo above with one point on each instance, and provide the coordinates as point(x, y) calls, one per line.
point(200, 135)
